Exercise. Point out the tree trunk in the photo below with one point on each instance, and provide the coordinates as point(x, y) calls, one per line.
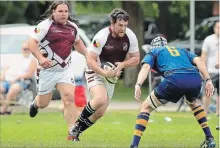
point(215, 8)
point(136, 25)
point(164, 17)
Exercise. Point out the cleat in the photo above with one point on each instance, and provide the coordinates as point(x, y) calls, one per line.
point(75, 139)
point(75, 132)
point(208, 143)
point(33, 110)
point(217, 127)
point(133, 146)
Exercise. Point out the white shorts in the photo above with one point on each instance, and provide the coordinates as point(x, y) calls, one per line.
point(94, 79)
point(48, 79)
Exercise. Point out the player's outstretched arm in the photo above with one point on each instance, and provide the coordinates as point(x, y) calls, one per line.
point(209, 88)
point(140, 80)
point(143, 74)
point(202, 67)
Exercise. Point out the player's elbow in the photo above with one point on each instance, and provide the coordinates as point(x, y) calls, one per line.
point(90, 61)
point(198, 61)
point(146, 66)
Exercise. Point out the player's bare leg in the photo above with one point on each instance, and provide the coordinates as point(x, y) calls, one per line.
point(67, 94)
point(206, 102)
point(40, 101)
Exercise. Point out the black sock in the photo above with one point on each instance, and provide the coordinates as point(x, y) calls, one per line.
point(86, 124)
point(86, 113)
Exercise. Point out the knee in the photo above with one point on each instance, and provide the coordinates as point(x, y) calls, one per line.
point(101, 100)
point(68, 98)
point(194, 104)
point(145, 107)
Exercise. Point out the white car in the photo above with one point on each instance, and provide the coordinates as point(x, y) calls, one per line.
point(12, 38)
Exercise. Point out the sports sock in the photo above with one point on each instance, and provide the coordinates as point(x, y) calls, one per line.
point(141, 122)
point(87, 112)
point(200, 116)
point(86, 124)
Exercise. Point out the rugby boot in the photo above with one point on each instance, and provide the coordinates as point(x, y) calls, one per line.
point(33, 110)
point(208, 143)
point(74, 133)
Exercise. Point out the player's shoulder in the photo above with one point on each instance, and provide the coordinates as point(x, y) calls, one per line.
point(101, 37)
point(130, 33)
point(102, 34)
point(73, 24)
point(45, 23)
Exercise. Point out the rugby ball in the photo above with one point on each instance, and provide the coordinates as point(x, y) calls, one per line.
point(109, 66)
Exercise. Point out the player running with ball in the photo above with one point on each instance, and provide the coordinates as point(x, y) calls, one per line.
point(110, 44)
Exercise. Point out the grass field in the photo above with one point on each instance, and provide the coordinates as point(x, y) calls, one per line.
point(123, 93)
point(115, 129)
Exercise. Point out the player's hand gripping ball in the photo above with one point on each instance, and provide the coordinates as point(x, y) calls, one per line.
point(109, 66)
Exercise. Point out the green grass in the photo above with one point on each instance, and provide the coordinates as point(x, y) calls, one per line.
point(123, 93)
point(115, 129)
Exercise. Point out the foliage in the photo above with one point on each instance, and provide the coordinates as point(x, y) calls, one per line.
point(21, 11)
point(88, 7)
point(12, 11)
point(30, 11)
point(114, 130)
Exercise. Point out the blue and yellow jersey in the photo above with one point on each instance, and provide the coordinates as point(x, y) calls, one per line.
point(166, 58)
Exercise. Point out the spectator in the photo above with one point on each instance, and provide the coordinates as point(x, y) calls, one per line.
point(16, 78)
point(210, 48)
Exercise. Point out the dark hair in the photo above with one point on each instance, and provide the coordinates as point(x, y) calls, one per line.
point(216, 23)
point(118, 13)
point(48, 13)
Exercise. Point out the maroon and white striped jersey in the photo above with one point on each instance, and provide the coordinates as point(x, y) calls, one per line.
point(56, 41)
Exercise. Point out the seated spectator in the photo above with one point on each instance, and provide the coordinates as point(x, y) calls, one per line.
point(15, 78)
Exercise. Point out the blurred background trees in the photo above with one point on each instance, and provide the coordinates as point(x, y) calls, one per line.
point(166, 13)
point(171, 17)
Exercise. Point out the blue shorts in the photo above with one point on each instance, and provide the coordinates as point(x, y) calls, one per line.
point(24, 84)
point(176, 85)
